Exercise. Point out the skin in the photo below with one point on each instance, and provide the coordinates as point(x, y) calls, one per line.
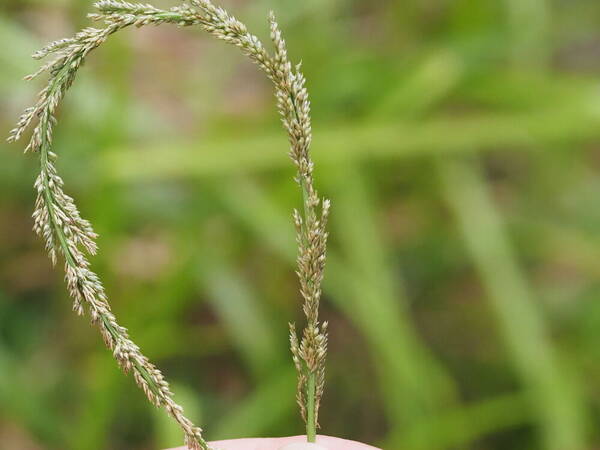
point(331, 443)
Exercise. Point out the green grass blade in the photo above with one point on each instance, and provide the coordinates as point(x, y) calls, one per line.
point(572, 121)
point(560, 411)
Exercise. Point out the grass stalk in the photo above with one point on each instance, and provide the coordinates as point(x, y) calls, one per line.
point(311, 428)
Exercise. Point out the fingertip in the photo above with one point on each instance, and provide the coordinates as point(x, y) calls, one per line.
point(329, 442)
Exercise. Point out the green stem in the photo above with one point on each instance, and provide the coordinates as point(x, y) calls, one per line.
point(311, 425)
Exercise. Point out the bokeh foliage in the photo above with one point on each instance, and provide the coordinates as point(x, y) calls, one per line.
point(458, 141)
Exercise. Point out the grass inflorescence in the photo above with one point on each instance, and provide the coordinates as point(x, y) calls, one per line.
point(65, 233)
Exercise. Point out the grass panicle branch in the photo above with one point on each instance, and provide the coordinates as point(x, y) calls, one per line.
point(66, 233)
point(58, 221)
point(310, 350)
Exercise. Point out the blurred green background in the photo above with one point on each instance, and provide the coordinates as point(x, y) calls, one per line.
point(459, 141)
